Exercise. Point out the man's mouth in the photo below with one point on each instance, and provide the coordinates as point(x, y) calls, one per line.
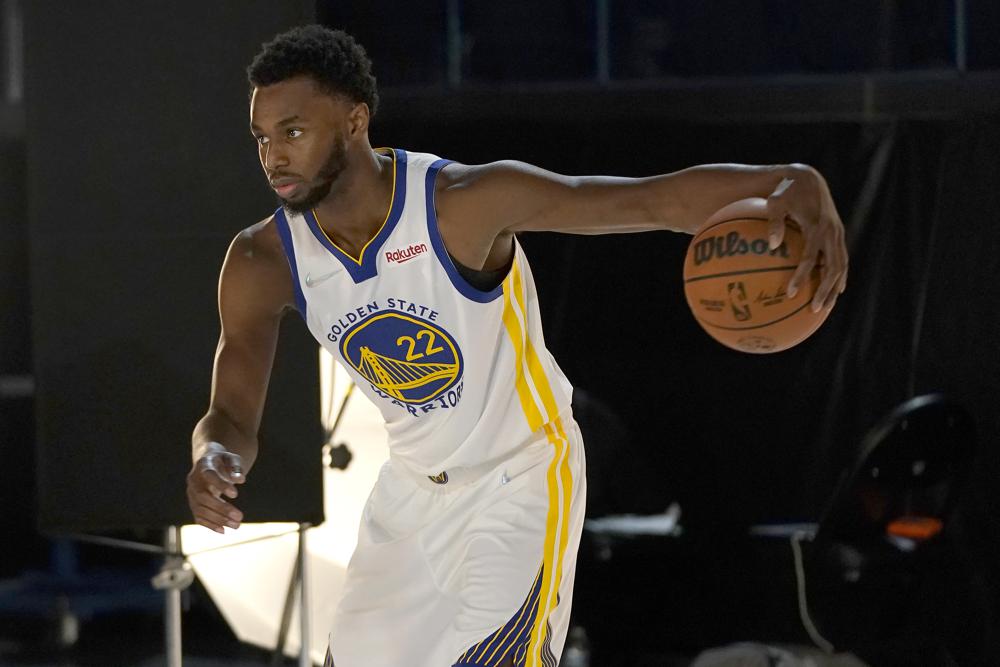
point(285, 186)
point(285, 190)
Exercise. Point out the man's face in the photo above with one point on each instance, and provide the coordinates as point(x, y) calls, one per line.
point(301, 135)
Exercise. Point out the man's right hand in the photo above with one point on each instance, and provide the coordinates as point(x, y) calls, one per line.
point(212, 476)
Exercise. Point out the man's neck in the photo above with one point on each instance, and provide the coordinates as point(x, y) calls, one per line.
point(359, 202)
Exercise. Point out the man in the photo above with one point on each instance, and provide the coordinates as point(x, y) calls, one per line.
point(406, 267)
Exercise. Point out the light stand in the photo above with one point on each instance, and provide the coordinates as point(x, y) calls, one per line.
point(302, 560)
point(298, 582)
point(175, 576)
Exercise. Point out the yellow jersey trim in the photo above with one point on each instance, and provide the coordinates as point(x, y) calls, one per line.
point(392, 199)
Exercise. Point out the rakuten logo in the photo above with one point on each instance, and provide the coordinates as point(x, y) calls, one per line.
point(406, 254)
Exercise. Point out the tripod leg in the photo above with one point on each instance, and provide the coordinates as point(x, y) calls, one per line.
point(172, 595)
point(304, 615)
point(286, 616)
point(297, 581)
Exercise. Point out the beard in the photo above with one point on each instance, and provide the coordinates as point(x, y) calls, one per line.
point(335, 164)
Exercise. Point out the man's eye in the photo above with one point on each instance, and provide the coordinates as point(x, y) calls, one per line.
point(261, 140)
point(293, 133)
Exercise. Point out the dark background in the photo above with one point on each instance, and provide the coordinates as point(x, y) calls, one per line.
point(128, 227)
point(127, 170)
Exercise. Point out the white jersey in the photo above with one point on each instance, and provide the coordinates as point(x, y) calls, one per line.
point(461, 376)
point(467, 545)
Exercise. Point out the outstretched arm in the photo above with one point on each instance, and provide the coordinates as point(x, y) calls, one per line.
point(505, 197)
point(254, 291)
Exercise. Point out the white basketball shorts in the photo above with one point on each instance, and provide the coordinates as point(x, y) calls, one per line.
point(472, 571)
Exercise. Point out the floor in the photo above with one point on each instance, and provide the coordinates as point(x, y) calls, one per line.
point(128, 639)
point(136, 640)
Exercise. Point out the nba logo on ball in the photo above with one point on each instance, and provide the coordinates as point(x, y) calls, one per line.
point(736, 285)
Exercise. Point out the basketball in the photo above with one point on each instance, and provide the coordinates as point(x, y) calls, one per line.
point(736, 285)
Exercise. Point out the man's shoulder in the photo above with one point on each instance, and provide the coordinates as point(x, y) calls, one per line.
point(260, 240)
point(256, 267)
point(453, 174)
point(257, 250)
point(452, 183)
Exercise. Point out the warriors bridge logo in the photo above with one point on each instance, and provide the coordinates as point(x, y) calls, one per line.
point(407, 359)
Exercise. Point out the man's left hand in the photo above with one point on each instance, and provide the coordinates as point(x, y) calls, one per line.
point(804, 197)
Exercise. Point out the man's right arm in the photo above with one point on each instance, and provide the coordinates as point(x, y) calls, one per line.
point(255, 290)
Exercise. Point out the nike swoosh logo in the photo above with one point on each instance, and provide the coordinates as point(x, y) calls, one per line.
point(312, 282)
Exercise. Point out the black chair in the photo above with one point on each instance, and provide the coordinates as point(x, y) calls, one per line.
point(871, 574)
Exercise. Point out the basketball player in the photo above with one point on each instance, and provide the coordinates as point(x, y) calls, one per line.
point(406, 267)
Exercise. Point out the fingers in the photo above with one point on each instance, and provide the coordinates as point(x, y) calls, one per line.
point(822, 231)
point(777, 212)
point(840, 250)
point(230, 468)
point(205, 489)
point(834, 280)
point(212, 520)
point(809, 256)
point(218, 484)
point(213, 512)
point(221, 516)
point(225, 489)
point(833, 271)
point(830, 272)
point(223, 471)
point(210, 526)
point(846, 261)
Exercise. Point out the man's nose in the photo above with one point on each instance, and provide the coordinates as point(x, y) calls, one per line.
point(274, 157)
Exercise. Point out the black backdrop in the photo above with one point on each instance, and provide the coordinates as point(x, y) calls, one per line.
point(140, 171)
point(778, 427)
point(742, 439)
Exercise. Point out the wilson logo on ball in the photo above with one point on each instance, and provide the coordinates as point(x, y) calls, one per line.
point(733, 244)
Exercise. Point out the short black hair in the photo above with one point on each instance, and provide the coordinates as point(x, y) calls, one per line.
point(332, 58)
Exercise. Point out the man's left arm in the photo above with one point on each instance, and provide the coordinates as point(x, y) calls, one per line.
point(508, 196)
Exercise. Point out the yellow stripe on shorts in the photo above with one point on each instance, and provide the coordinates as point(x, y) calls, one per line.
point(559, 478)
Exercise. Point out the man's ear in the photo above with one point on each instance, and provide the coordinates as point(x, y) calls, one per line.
point(357, 120)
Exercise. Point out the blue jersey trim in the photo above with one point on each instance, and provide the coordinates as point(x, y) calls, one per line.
point(285, 234)
point(467, 290)
point(368, 267)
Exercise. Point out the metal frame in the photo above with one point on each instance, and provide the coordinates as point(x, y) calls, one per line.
point(176, 575)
